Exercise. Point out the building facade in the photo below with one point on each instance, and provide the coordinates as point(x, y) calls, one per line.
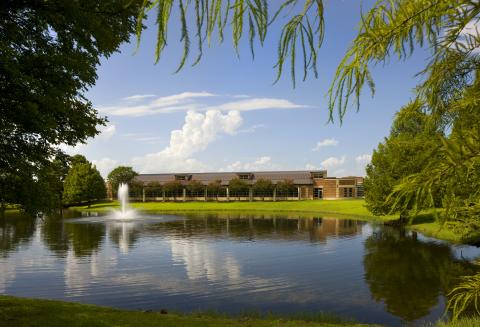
point(306, 185)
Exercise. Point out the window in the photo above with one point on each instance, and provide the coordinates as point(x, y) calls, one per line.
point(317, 175)
point(180, 177)
point(244, 176)
point(318, 193)
point(348, 192)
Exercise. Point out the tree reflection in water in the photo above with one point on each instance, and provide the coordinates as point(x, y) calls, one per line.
point(409, 274)
point(16, 229)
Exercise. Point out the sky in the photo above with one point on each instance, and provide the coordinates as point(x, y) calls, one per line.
point(225, 114)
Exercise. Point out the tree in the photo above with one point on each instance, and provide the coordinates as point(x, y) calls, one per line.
point(83, 183)
point(174, 188)
point(50, 51)
point(195, 188)
point(406, 151)
point(120, 175)
point(153, 189)
point(286, 187)
point(263, 187)
point(238, 187)
point(214, 188)
point(41, 192)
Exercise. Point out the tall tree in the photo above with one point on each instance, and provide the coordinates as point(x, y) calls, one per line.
point(83, 183)
point(49, 54)
point(407, 150)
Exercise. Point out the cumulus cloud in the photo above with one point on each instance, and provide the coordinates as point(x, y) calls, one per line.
point(105, 165)
point(363, 159)
point(333, 162)
point(107, 131)
point(325, 143)
point(262, 163)
point(138, 105)
point(197, 133)
point(311, 166)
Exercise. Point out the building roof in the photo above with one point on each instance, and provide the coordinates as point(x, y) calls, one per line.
point(297, 177)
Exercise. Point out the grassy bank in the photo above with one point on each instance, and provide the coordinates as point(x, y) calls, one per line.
point(46, 313)
point(352, 209)
point(338, 207)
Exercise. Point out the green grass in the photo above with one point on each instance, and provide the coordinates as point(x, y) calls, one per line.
point(464, 322)
point(335, 207)
point(351, 209)
point(46, 313)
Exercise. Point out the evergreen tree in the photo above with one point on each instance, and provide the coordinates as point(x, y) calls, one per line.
point(83, 183)
point(407, 150)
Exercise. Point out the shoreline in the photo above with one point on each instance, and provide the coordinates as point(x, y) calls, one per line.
point(342, 209)
point(19, 311)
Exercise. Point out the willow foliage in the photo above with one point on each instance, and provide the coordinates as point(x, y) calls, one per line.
point(302, 34)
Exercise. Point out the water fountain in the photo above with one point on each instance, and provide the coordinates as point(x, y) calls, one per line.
point(124, 215)
point(125, 212)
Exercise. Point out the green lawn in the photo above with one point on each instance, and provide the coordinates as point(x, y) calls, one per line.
point(352, 209)
point(335, 207)
point(46, 313)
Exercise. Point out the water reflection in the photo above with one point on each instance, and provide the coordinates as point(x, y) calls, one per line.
point(16, 229)
point(123, 235)
point(409, 274)
point(233, 262)
point(260, 227)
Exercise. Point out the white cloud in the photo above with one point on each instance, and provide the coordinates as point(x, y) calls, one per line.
point(197, 133)
point(262, 163)
point(333, 162)
point(325, 143)
point(363, 159)
point(138, 97)
point(258, 104)
point(105, 165)
point(311, 166)
point(253, 128)
point(107, 132)
point(176, 102)
point(133, 106)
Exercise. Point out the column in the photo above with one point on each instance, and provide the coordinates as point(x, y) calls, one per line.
point(184, 194)
point(299, 192)
point(143, 194)
point(250, 193)
point(275, 194)
point(228, 194)
point(163, 195)
point(205, 195)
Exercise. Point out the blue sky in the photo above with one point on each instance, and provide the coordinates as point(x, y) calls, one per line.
point(225, 115)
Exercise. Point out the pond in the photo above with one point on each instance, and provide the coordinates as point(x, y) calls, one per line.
point(234, 263)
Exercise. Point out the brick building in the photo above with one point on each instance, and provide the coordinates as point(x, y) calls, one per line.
point(308, 185)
